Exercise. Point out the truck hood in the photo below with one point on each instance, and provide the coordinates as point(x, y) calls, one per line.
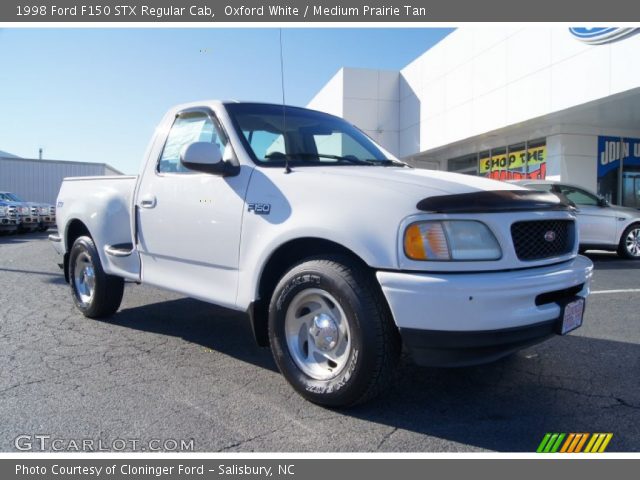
point(411, 181)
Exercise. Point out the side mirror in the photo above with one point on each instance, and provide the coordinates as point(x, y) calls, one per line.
point(203, 157)
point(602, 202)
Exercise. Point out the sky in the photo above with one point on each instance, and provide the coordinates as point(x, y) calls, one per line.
point(97, 94)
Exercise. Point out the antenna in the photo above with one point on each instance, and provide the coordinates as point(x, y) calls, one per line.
point(287, 168)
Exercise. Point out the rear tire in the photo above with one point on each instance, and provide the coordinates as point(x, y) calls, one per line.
point(629, 246)
point(95, 293)
point(331, 332)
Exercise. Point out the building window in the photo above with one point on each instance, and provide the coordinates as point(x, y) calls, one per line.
point(526, 160)
point(468, 165)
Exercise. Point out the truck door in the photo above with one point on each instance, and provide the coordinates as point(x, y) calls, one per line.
point(189, 222)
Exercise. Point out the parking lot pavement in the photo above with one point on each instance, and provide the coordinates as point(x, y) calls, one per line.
point(167, 367)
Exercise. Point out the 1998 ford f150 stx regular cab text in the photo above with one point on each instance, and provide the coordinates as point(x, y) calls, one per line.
point(339, 253)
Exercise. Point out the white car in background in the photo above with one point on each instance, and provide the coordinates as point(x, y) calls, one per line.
point(601, 226)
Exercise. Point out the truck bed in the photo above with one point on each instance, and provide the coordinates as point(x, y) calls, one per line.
point(104, 205)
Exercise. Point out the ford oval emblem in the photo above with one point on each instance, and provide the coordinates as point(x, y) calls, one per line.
point(550, 236)
point(600, 35)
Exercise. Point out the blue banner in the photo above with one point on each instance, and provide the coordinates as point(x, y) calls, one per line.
point(612, 149)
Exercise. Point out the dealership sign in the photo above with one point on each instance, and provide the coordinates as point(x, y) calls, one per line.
point(600, 35)
point(518, 164)
point(612, 149)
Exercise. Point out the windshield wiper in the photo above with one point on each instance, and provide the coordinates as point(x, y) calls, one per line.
point(346, 158)
point(387, 162)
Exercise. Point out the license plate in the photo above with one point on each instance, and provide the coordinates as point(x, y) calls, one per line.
point(572, 316)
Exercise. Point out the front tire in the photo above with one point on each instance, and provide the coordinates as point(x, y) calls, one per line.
point(95, 293)
point(331, 332)
point(630, 242)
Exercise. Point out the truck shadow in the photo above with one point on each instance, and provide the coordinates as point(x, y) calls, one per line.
point(49, 277)
point(213, 327)
point(569, 384)
point(15, 238)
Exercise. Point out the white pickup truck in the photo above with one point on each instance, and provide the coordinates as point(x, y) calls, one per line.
point(339, 253)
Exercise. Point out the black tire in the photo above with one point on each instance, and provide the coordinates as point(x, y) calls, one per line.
point(107, 290)
point(629, 251)
point(374, 340)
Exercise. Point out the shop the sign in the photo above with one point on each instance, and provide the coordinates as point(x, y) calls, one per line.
point(516, 165)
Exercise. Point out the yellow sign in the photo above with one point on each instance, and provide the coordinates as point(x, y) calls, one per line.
point(516, 160)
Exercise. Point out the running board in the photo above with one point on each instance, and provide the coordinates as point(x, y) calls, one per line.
point(119, 250)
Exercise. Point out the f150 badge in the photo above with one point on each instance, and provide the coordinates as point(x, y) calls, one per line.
point(259, 208)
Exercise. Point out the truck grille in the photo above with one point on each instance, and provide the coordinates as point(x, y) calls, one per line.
point(34, 211)
point(539, 239)
point(12, 213)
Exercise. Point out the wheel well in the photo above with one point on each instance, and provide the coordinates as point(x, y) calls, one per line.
point(75, 229)
point(287, 255)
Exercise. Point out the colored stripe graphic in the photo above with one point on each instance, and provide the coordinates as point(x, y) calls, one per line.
point(604, 445)
point(543, 443)
point(581, 443)
point(594, 437)
point(599, 443)
point(556, 446)
point(567, 443)
point(574, 442)
point(550, 443)
point(576, 438)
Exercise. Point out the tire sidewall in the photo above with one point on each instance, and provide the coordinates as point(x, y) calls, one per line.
point(348, 385)
point(85, 245)
point(623, 242)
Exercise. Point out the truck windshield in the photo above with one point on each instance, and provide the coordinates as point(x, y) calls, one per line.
point(273, 134)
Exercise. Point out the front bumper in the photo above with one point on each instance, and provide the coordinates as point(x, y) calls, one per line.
point(455, 319)
point(8, 224)
point(28, 223)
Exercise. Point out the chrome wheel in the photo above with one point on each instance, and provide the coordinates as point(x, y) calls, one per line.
point(84, 278)
point(317, 334)
point(632, 242)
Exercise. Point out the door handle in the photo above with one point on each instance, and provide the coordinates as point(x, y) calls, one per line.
point(148, 201)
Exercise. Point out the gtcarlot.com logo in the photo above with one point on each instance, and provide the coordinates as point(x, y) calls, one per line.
point(49, 443)
point(574, 442)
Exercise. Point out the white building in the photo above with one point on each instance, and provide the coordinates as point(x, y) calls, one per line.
point(36, 180)
point(508, 103)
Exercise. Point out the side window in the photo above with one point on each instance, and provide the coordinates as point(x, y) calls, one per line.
point(265, 143)
point(188, 128)
point(579, 197)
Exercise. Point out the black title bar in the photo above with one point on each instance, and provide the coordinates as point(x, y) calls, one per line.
point(216, 11)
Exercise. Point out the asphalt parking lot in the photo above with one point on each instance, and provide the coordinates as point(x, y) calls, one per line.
point(167, 367)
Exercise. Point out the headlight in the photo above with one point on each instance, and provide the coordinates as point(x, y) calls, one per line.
point(450, 240)
point(44, 210)
point(25, 210)
point(3, 211)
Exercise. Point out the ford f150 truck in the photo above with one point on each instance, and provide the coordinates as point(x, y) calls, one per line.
point(8, 217)
point(339, 253)
point(38, 216)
